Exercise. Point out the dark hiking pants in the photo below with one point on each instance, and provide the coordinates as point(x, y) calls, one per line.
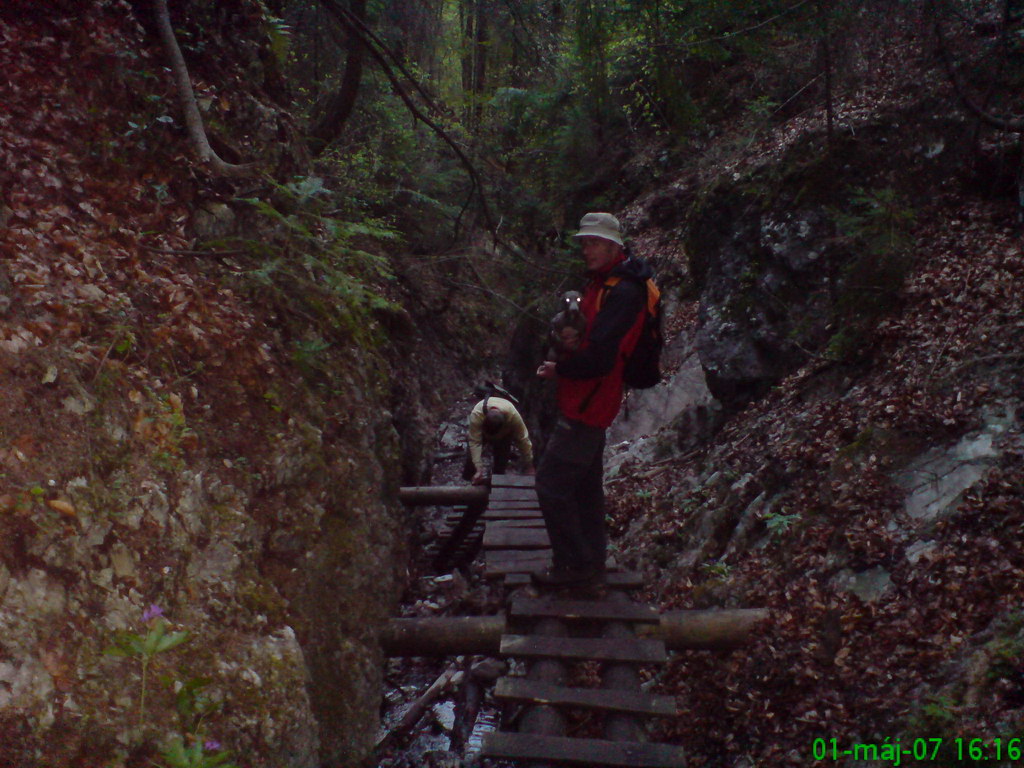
point(571, 494)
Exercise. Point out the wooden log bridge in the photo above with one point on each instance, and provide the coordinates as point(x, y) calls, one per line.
point(458, 635)
point(547, 631)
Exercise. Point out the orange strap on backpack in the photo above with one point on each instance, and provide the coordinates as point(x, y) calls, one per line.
point(653, 294)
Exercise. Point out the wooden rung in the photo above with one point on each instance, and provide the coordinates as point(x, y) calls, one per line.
point(512, 481)
point(513, 494)
point(532, 503)
point(525, 506)
point(515, 555)
point(598, 648)
point(626, 580)
point(520, 569)
point(522, 522)
point(512, 514)
point(524, 563)
point(584, 609)
point(519, 579)
point(597, 752)
point(636, 702)
point(516, 538)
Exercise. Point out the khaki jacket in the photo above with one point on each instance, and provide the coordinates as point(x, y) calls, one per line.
point(514, 429)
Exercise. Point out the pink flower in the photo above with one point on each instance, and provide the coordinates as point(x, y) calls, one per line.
point(152, 612)
point(211, 745)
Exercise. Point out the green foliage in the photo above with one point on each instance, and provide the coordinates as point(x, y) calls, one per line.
point(779, 522)
point(844, 344)
point(190, 749)
point(716, 569)
point(934, 716)
point(143, 647)
point(321, 263)
point(877, 220)
point(197, 754)
point(279, 33)
point(877, 226)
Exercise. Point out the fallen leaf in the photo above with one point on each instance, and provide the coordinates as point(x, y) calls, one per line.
point(62, 506)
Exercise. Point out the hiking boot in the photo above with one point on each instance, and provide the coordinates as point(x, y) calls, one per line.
point(558, 576)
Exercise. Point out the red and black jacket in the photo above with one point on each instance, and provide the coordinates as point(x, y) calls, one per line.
point(590, 381)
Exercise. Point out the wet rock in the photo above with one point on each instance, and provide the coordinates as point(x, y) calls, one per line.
point(747, 527)
point(936, 480)
point(918, 550)
point(647, 410)
point(217, 563)
point(24, 684)
point(869, 585)
point(122, 562)
point(765, 292)
point(488, 670)
point(213, 221)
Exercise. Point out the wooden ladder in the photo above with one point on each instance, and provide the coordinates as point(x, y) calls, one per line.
point(559, 630)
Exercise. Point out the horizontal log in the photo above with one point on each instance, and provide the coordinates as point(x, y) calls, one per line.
point(443, 636)
point(449, 495)
point(679, 630)
point(601, 610)
point(705, 630)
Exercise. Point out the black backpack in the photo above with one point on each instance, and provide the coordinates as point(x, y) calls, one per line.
point(643, 367)
point(490, 389)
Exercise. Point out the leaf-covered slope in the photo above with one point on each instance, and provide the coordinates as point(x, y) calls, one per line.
point(183, 424)
point(871, 499)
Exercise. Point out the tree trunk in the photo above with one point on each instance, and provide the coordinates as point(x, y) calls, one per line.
point(187, 97)
point(341, 103)
point(467, 17)
point(826, 62)
point(680, 630)
point(480, 46)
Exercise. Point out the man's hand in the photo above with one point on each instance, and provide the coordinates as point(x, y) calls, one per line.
point(547, 369)
point(479, 479)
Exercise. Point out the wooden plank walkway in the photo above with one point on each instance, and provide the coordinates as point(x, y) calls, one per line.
point(508, 552)
point(515, 544)
point(573, 751)
point(519, 689)
point(583, 648)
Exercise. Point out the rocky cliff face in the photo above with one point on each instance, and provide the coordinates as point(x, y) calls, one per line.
point(198, 526)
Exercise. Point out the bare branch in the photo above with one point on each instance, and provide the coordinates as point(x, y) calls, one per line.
point(342, 102)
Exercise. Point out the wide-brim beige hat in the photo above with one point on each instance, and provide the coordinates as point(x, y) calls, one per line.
point(602, 225)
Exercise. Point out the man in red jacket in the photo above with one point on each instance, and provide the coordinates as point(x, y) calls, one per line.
point(570, 483)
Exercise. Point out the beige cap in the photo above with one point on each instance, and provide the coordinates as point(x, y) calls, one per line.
point(602, 225)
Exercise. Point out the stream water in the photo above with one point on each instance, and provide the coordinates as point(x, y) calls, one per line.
point(450, 730)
